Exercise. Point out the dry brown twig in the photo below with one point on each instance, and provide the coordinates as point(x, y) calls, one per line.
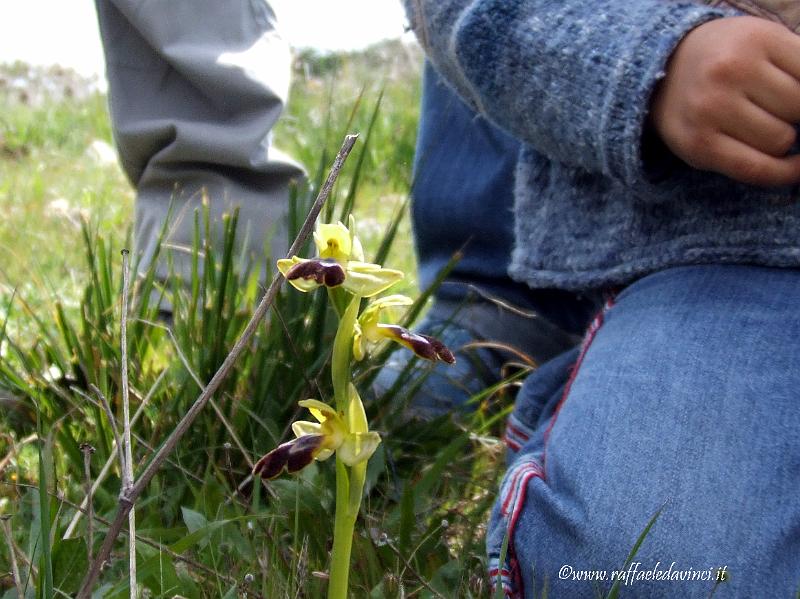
point(139, 440)
point(407, 566)
point(128, 499)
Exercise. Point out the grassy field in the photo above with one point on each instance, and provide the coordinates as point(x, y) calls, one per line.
point(203, 530)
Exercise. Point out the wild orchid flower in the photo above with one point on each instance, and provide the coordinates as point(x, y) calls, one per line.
point(347, 435)
point(340, 262)
point(343, 429)
point(369, 331)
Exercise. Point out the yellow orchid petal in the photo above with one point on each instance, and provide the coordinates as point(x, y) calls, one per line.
point(370, 317)
point(303, 427)
point(358, 447)
point(334, 242)
point(323, 455)
point(284, 264)
point(357, 250)
point(389, 301)
point(320, 411)
point(359, 351)
point(356, 417)
point(366, 279)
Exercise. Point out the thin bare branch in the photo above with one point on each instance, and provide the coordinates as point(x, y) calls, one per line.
point(417, 575)
point(138, 440)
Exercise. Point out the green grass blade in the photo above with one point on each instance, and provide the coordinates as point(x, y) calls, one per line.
point(615, 588)
point(46, 563)
point(349, 203)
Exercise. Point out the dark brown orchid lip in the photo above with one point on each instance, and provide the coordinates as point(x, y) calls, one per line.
point(324, 272)
point(291, 457)
point(440, 349)
point(425, 346)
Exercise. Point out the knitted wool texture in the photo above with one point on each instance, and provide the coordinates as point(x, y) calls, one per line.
point(599, 202)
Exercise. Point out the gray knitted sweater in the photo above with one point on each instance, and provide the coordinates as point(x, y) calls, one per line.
point(598, 202)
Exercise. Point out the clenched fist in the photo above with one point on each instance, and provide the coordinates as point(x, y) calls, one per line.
point(731, 98)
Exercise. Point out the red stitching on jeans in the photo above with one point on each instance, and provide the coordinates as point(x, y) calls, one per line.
point(516, 574)
point(587, 341)
point(512, 445)
point(513, 431)
point(511, 487)
point(517, 431)
point(530, 473)
point(505, 577)
point(496, 571)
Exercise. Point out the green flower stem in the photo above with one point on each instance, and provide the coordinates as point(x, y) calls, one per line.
point(342, 351)
point(343, 528)
point(358, 475)
point(349, 489)
point(349, 481)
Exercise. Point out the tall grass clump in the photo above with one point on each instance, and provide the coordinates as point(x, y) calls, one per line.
point(205, 528)
point(426, 486)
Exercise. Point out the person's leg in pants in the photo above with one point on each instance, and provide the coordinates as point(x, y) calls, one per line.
point(195, 89)
point(684, 399)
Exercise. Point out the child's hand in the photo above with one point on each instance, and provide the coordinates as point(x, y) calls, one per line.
point(730, 100)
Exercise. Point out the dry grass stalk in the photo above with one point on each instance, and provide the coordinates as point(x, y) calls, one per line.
point(127, 472)
point(87, 451)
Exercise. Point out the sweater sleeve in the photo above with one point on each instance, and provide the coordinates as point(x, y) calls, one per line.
point(571, 78)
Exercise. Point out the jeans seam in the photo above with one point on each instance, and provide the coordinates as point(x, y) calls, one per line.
point(516, 433)
point(591, 333)
point(521, 473)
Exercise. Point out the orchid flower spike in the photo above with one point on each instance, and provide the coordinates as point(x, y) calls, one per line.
point(369, 331)
point(346, 434)
point(340, 261)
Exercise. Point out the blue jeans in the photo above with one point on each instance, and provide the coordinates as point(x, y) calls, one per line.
point(684, 398)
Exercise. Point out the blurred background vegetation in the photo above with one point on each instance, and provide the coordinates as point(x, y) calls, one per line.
point(204, 529)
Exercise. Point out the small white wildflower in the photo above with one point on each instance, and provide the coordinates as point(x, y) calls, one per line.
point(52, 374)
point(102, 153)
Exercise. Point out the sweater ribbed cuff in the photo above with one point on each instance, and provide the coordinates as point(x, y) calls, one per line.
point(627, 105)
